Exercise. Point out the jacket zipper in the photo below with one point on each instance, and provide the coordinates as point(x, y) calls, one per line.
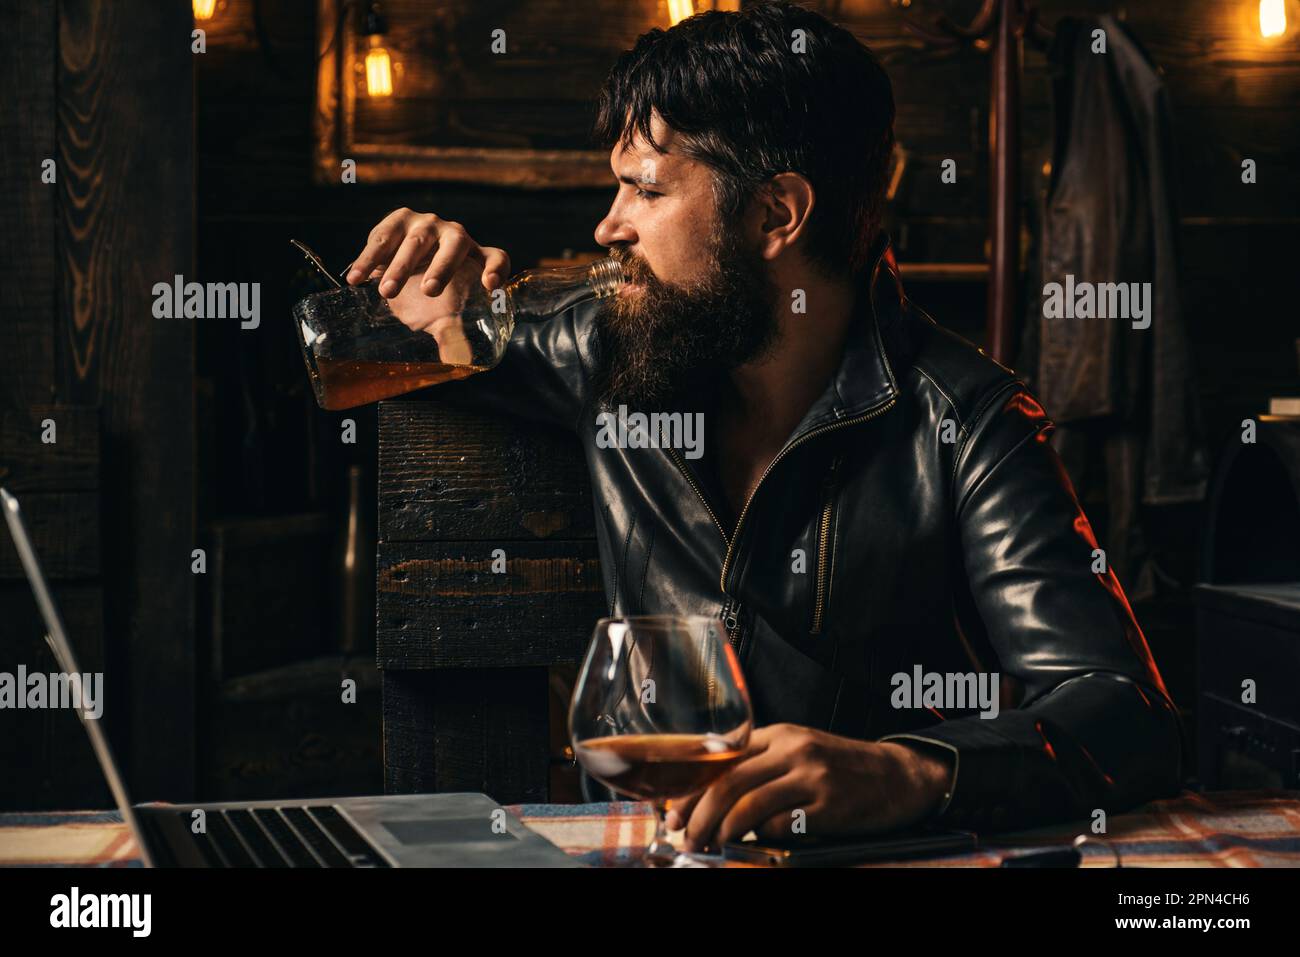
point(823, 550)
point(731, 610)
point(731, 620)
point(713, 672)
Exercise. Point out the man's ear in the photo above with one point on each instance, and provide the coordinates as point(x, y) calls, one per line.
point(783, 206)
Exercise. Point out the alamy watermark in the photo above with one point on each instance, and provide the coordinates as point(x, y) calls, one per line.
point(133, 912)
point(639, 430)
point(951, 690)
point(1098, 300)
point(208, 300)
point(37, 690)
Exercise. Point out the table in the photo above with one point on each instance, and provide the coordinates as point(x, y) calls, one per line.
point(1217, 829)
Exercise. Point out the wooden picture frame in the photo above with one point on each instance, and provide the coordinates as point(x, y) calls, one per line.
point(550, 68)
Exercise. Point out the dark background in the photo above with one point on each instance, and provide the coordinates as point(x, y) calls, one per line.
point(177, 434)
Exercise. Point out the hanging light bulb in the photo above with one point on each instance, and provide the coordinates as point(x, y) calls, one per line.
point(204, 9)
point(379, 65)
point(379, 70)
point(679, 10)
point(1272, 18)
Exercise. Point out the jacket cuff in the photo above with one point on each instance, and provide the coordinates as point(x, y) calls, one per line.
point(989, 783)
point(932, 745)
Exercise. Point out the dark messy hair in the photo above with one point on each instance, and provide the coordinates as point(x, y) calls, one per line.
point(747, 103)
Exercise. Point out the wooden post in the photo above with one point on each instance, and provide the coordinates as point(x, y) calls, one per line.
point(1004, 185)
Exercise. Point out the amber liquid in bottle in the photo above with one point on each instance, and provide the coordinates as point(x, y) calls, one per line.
point(352, 382)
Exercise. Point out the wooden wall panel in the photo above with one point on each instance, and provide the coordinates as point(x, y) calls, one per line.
point(126, 159)
point(46, 762)
point(465, 653)
point(64, 528)
point(451, 474)
point(442, 606)
point(467, 730)
point(28, 267)
point(286, 733)
point(68, 463)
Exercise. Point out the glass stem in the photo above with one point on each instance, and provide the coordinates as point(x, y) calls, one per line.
point(660, 847)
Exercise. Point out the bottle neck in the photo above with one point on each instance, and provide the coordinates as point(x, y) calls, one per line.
point(537, 294)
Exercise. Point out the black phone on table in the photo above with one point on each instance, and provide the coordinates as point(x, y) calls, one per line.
point(818, 853)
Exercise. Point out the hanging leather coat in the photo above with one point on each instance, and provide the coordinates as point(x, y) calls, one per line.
point(1109, 216)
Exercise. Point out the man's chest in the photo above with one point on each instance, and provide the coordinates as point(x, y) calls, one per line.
point(741, 457)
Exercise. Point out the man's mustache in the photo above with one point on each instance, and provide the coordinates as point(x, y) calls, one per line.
point(635, 269)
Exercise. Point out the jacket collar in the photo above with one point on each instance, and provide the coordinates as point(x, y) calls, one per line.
point(864, 380)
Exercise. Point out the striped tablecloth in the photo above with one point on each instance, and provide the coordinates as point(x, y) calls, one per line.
point(1220, 829)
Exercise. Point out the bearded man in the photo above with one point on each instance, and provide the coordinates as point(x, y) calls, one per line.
point(941, 534)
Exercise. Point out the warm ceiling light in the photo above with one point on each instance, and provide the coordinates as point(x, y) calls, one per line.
point(379, 65)
point(204, 9)
point(1272, 18)
point(679, 10)
point(379, 70)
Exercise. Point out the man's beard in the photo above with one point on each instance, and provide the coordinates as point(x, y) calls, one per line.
point(671, 344)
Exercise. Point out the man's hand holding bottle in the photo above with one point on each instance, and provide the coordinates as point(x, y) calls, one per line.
point(427, 268)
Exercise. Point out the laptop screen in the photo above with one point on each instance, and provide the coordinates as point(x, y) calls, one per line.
point(67, 662)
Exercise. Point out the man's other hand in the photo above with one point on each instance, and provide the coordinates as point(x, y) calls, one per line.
point(843, 785)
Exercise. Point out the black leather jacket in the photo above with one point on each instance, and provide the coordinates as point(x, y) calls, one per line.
point(957, 556)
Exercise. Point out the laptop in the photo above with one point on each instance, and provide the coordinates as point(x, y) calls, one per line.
point(392, 830)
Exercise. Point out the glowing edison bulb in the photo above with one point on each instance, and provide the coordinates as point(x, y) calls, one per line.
point(379, 70)
point(679, 10)
point(1272, 18)
point(204, 9)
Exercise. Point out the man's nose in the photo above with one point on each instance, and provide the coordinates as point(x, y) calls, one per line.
point(614, 229)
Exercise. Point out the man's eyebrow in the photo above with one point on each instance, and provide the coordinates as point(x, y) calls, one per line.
point(638, 180)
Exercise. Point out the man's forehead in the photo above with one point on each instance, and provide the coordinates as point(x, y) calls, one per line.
point(638, 150)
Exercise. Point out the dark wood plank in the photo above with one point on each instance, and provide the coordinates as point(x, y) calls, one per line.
point(70, 463)
point(287, 733)
point(449, 474)
point(46, 756)
point(467, 730)
point(64, 529)
point(441, 606)
point(125, 102)
point(28, 266)
point(564, 784)
point(273, 594)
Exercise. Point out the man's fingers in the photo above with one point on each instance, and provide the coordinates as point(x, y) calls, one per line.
point(770, 806)
point(416, 250)
point(716, 802)
point(496, 268)
point(383, 241)
point(681, 808)
point(679, 811)
point(453, 246)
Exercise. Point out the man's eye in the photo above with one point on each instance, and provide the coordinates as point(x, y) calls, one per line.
point(645, 194)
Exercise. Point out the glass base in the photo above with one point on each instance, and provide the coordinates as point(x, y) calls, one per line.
point(663, 854)
point(682, 859)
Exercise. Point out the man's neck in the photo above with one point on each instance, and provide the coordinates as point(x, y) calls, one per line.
point(767, 398)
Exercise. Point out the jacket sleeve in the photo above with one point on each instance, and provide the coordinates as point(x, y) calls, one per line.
point(543, 374)
point(1094, 727)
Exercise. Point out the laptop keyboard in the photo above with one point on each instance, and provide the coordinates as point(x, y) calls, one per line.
point(316, 836)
